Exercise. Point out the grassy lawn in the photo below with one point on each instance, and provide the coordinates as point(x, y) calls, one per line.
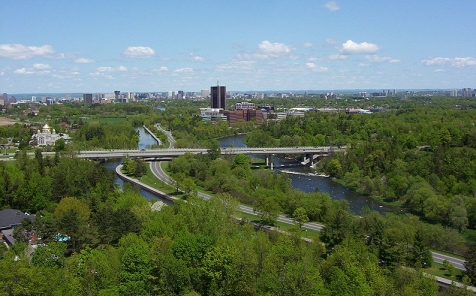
point(469, 235)
point(439, 270)
point(308, 233)
point(152, 181)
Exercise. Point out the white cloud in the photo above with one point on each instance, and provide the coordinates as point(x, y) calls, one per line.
point(316, 68)
point(453, 62)
point(350, 47)
point(35, 69)
point(23, 71)
point(332, 6)
point(377, 59)
point(196, 58)
point(184, 70)
point(337, 57)
point(22, 52)
point(84, 61)
point(236, 66)
point(267, 50)
point(273, 48)
point(111, 69)
point(163, 69)
point(41, 66)
point(139, 52)
point(307, 44)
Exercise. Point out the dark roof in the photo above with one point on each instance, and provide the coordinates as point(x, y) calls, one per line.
point(10, 218)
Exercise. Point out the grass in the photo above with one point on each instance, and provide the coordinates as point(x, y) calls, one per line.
point(308, 233)
point(469, 235)
point(439, 270)
point(152, 181)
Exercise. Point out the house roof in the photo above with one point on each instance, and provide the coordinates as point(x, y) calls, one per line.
point(10, 218)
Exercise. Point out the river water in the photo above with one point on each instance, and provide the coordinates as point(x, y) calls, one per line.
point(302, 177)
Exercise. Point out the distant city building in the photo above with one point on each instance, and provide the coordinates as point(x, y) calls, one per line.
point(466, 92)
point(244, 106)
point(212, 114)
point(218, 97)
point(88, 98)
point(204, 93)
point(453, 93)
point(117, 93)
point(234, 116)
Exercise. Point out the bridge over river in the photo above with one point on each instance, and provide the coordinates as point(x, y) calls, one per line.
point(308, 152)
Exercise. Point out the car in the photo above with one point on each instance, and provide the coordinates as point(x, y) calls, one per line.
point(142, 149)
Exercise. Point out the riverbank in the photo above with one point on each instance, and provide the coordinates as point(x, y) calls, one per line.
point(146, 187)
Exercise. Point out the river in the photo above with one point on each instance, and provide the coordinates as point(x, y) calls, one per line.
point(302, 177)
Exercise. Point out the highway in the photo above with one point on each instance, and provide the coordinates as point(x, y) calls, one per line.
point(160, 174)
point(439, 258)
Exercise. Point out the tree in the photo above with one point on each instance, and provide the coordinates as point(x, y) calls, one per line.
point(73, 217)
point(135, 266)
point(300, 216)
point(470, 264)
point(51, 255)
point(60, 145)
point(267, 208)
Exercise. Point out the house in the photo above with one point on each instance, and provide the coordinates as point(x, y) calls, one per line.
point(10, 218)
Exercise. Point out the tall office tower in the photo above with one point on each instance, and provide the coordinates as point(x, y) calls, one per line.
point(87, 98)
point(466, 92)
point(117, 93)
point(218, 97)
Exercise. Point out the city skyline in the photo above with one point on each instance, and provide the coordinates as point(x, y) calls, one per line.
point(62, 46)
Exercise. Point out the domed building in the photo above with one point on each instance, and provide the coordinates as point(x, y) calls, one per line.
point(48, 136)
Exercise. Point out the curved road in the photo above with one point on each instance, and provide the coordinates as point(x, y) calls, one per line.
point(161, 175)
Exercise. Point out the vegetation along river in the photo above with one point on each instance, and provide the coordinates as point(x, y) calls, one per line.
point(302, 177)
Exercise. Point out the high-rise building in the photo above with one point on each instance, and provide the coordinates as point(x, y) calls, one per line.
point(466, 92)
point(88, 98)
point(218, 97)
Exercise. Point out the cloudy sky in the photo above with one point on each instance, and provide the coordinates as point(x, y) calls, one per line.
point(145, 45)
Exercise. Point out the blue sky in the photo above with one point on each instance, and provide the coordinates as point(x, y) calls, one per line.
point(162, 45)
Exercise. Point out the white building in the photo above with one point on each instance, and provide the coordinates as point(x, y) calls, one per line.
point(48, 136)
point(209, 114)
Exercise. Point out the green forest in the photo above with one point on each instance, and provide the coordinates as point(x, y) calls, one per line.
point(417, 155)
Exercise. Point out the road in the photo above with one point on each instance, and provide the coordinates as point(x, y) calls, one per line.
point(160, 174)
point(439, 258)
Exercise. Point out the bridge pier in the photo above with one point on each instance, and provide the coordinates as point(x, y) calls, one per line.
point(269, 162)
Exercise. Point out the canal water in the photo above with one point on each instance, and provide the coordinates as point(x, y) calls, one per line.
point(302, 177)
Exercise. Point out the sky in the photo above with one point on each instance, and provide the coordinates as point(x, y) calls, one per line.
point(61, 46)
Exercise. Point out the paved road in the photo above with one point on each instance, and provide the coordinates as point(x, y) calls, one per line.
point(439, 258)
point(160, 174)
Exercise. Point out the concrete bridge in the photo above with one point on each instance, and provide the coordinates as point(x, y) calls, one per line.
point(308, 153)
